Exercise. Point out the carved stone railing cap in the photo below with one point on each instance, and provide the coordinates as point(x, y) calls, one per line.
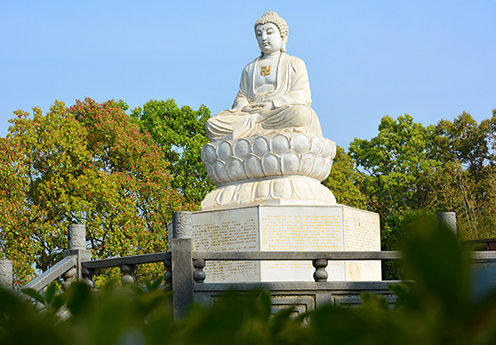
point(77, 236)
point(182, 225)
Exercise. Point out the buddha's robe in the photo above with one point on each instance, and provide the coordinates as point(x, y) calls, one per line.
point(291, 105)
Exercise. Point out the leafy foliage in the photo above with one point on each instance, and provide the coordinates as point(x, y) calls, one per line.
point(400, 172)
point(398, 166)
point(345, 181)
point(466, 141)
point(444, 304)
point(47, 298)
point(466, 149)
point(411, 170)
point(83, 164)
point(394, 231)
point(180, 132)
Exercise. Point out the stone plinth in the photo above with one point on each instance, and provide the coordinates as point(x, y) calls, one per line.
point(287, 228)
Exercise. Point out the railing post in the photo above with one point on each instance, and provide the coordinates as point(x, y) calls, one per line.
point(76, 245)
point(6, 274)
point(448, 219)
point(182, 246)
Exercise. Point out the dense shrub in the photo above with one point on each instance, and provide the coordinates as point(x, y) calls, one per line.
point(444, 305)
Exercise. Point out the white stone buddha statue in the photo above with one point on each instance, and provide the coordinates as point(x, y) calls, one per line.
point(269, 149)
point(274, 93)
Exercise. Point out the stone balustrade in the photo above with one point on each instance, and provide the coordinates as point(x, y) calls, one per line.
point(184, 272)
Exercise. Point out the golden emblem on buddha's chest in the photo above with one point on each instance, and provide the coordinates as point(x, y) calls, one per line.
point(265, 70)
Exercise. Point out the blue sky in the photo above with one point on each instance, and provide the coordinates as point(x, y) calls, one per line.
point(365, 59)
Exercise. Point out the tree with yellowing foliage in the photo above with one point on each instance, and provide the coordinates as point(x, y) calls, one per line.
point(87, 164)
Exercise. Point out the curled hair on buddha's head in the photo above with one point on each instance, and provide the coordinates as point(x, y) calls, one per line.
point(273, 17)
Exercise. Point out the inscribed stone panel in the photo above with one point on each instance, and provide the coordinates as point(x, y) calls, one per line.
point(299, 228)
point(228, 230)
point(361, 232)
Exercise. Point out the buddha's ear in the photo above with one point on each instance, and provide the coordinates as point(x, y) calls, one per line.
point(283, 47)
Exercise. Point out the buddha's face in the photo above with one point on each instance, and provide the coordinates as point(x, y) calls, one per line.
point(269, 38)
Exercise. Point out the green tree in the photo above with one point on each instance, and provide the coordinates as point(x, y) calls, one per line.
point(466, 141)
point(345, 180)
point(400, 174)
point(12, 211)
point(394, 231)
point(410, 169)
point(180, 132)
point(398, 166)
point(466, 150)
point(83, 164)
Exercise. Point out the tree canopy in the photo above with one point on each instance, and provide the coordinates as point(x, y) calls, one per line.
point(180, 133)
point(398, 165)
point(345, 181)
point(123, 175)
point(88, 164)
point(411, 170)
point(467, 184)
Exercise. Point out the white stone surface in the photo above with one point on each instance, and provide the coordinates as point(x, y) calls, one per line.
point(234, 160)
point(267, 157)
point(283, 169)
point(287, 228)
point(268, 148)
point(274, 93)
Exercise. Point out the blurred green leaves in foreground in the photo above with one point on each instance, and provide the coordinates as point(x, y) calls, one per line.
point(445, 303)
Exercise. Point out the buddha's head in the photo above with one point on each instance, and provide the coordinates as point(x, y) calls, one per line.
point(271, 21)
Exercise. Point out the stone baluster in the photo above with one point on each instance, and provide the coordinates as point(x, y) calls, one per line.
point(199, 274)
point(320, 274)
point(168, 273)
point(6, 274)
point(88, 274)
point(127, 271)
point(69, 277)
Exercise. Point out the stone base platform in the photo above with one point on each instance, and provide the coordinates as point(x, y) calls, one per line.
point(287, 228)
